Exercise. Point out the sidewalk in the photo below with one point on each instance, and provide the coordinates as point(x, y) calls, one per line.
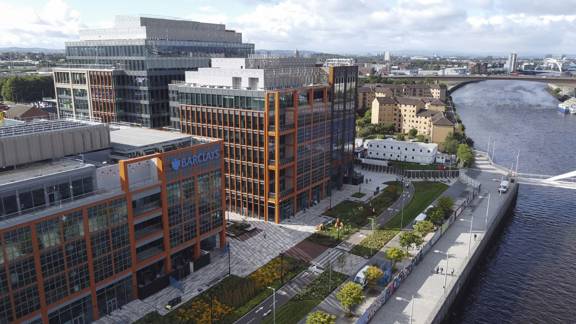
point(418, 298)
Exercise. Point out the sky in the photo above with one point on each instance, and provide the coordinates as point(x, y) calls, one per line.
point(528, 27)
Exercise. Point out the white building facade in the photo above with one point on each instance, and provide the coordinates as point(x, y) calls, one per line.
point(393, 150)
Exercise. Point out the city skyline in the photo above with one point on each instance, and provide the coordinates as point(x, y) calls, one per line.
point(475, 26)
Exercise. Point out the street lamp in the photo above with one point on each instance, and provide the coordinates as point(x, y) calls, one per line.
point(486, 219)
point(470, 236)
point(446, 272)
point(273, 303)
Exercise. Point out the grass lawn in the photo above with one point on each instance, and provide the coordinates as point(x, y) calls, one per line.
point(350, 212)
point(299, 306)
point(239, 294)
point(425, 193)
point(387, 197)
point(374, 242)
point(355, 215)
point(358, 194)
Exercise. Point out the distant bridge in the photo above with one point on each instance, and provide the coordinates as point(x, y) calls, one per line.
point(567, 180)
point(464, 78)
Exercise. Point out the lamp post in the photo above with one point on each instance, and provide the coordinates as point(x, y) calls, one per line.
point(486, 219)
point(470, 235)
point(402, 212)
point(273, 303)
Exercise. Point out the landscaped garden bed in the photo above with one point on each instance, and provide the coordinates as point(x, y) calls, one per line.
point(374, 242)
point(299, 306)
point(234, 296)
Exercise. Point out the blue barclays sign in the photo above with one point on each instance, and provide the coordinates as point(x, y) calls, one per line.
point(194, 160)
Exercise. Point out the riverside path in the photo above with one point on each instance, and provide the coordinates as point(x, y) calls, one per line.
point(424, 292)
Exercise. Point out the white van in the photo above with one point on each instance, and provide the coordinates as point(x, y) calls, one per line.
point(360, 277)
point(504, 184)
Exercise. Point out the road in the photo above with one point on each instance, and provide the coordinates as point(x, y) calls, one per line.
point(283, 295)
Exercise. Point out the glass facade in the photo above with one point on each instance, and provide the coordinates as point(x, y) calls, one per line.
point(51, 261)
point(138, 91)
point(284, 150)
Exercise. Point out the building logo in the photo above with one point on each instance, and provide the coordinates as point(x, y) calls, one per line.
point(194, 160)
point(175, 164)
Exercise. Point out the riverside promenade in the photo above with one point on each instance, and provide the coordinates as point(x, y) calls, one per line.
point(426, 296)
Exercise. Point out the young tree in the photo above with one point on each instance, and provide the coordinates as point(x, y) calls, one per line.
point(424, 227)
point(373, 274)
point(436, 216)
point(350, 295)
point(446, 204)
point(395, 255)
point(412, 133)
point(465, 155)
point(319, 317)
point(409, 239)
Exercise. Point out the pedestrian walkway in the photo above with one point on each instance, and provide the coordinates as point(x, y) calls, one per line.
point(420, 296)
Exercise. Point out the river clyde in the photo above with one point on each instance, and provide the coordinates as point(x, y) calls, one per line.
point(528, 274)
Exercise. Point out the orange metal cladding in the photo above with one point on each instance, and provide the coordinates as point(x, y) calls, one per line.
point(125, 184)
point(103, 98)
point(219, 122)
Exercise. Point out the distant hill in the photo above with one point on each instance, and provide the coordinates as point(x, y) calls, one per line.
point(31, 50)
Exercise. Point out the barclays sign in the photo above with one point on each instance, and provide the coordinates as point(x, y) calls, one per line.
point(194, 160)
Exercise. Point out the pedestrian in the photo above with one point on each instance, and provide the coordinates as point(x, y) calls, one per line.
point(475, 237)
point(264, 235)
point(452, 272)
point(441, 270)
point(437, 270)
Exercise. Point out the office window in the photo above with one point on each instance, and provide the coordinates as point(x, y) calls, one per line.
point(22, 273)
point(26, 301)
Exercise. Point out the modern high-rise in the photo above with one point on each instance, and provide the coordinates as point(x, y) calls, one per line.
point(288, 127)
point(512, 63)
point(93, 216)
point(122, 73)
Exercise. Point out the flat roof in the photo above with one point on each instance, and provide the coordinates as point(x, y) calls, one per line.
point(40, 169)
point(135, 137)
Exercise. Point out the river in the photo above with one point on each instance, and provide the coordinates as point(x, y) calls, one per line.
point(528, 274)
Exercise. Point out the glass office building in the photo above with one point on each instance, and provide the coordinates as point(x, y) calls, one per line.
point(287, 127)
point(122, 73)
point(81, 239)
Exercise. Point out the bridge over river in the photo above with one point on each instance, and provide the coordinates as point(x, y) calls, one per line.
point(484, 162)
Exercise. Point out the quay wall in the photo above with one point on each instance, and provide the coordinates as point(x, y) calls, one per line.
point(462, 280)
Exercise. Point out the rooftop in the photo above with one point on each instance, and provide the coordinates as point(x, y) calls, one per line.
point(136, 137)
point(40, 169)
point(42, 126)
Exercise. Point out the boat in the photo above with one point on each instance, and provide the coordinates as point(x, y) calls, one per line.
point(568, 106)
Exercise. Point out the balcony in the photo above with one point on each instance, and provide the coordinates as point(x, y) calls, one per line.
point(149, 250)
point(147, 230)
point(284, 127)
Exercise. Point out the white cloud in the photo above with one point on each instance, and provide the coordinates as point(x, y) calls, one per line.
point(342, 26)
point(48, 26)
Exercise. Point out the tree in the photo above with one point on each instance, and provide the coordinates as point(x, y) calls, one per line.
point(27, 88)
point(450, 144)
point(446, 204)
point(409, 239)
point(412, 133)
point(319, 317)
point(436, 216)
point(349, 295)
point(373, 274)
point(465, 155)
point(421, 138)
point(424, 227)
point(400, 137)
point(395, 255)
